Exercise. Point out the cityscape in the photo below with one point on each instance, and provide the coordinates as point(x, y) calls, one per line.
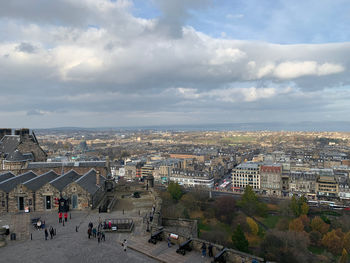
point(175, 131)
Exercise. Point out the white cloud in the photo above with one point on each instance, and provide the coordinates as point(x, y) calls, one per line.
point(104, 49)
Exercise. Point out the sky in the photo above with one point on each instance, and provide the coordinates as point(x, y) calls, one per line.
point(103, 63)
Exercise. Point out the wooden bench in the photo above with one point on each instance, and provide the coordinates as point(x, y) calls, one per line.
point(221, 256)
point(157, 236)
point(183, 247)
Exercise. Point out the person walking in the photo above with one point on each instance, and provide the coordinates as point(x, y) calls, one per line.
point(210, 250)
point(94, 232)
point(169, 241)
point(65, 216)
point(89, 232)
point(46, 234)
point(51, 232)
point(204, 250)
point(98, 237)
point(60, 217)
point(125, 245)
point(103, 236)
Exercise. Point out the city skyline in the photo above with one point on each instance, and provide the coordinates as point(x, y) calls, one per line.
point(150, 63)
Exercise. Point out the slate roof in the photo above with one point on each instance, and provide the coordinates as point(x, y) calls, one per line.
point(5, 176)
point(88, 181)
point(9, 143)
point(17, 156)
point(36, 165)
point(37, 182)
point(11, 183)
point(60, 182)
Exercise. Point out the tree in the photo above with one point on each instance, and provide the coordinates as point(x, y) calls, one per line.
point(225, 208)
point(254, 228)
point(332, 242)
point(250, 203)
point(346, 241)
point(239, 240)
point(299, 206)
point(304, 209)
point(315, 238)
point(344, 256)
point(317, 224)
point(296, 225)
point(175, 190)
point(189, 201)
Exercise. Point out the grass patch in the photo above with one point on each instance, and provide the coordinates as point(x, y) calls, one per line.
point(271, 221)
point(316, 250)
point(203, 226)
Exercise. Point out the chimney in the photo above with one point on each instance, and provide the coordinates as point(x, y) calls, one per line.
point(98, 178)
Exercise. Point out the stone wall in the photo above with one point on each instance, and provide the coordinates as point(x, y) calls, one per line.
point(84, 198)
point(231, 255)
point(40, 195)
point(182, 226)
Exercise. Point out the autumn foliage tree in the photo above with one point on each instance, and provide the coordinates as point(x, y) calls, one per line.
point(254, 228)
point(296, 225)
point(317, 224)
point(333, 242)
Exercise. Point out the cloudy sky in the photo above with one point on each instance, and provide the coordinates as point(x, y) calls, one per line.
point(119, 63)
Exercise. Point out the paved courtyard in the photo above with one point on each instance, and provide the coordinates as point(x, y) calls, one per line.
point(69, 245)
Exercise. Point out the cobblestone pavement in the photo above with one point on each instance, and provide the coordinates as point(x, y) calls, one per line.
point(69, 245)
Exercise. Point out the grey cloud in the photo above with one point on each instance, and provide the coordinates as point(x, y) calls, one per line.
point(175, 13)
point(26, 47)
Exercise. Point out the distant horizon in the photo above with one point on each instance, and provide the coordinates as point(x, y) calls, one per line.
point(337, 126)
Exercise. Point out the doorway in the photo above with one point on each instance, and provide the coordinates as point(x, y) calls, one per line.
point(74, 201)
point(21, 203)
point(48, 202)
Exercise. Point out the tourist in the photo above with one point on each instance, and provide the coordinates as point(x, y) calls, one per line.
point(59, 217)
point(94, 232)
point(204, 250)
point(65, 216)
point(125, 244)
point(46, 234)
point(51, 232)
point(210, 250)
point(103, 237)
point(169, 241)
point(89, 232)
point(98, 236)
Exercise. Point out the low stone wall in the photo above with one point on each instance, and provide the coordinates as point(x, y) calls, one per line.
point(231, 255)
point(182, 226)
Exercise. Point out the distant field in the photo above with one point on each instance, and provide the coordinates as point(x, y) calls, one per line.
point(237, 139)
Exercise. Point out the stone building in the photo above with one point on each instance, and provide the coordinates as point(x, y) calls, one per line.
point(42, 197)
point(192, 178)
point(85, 192)
point(19, 149)
point(271, 182)
point(12, 200)
point(244, 174)
point(303, 183)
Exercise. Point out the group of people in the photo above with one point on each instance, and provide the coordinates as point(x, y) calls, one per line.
point(51, 231)
point(60, 215)
point(204, 250)
point(92, 231)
